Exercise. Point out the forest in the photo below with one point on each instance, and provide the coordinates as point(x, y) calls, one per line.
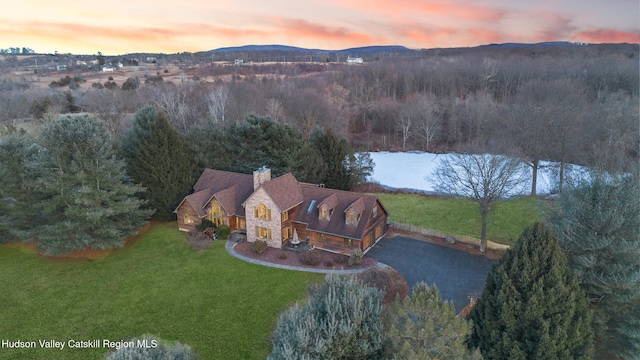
point(568, 104)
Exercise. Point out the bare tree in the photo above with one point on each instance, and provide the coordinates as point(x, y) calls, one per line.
point(112, 106)
point(217, 103)
point(405, 123)
point(275, 109)
point(428, 121)
point(483, 178)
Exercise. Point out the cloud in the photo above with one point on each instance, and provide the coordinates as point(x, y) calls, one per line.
point(598, 35)
point(299, 31)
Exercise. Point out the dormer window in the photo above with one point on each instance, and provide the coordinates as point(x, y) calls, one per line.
point(352, 217)
point(325, 214)
point(188, 219)
point(375, 211)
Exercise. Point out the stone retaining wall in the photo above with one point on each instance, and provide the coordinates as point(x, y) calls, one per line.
point(432, 233)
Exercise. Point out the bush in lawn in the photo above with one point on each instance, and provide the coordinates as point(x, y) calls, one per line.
point(259, 246)
point(199, 241)
point(356, 258)
point(317, 331)
point(310, 257)
point(155, 349)
point(223, 231)
point(388, 280)
point(282, 256)
point(205, 224)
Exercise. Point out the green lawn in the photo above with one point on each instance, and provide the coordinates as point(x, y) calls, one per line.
point(462, 217)
point(222, 307)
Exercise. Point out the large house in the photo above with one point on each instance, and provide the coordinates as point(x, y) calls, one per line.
point(282, 209)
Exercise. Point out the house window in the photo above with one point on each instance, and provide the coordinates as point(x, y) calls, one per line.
point(348, 242)
point(285, 233)
point(285, 216)
point(352, 217)
point(261, 212)
point(188, 219)
point(263, 233)
point(324, 214)
point(321, 238)
point(375, 211)
point(215, 213)
point(378, 231)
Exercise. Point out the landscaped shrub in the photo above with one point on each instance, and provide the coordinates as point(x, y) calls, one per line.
point(328, 263)
point(209, 232)
point(310, 257)
point(340, 259)
point(282, 256)
point(388, 280)
point(199, 241)
point(205, 224)
point(341, 320)
point(356, 258)
point(223, 231)
point(259, 246)
point(151, 348)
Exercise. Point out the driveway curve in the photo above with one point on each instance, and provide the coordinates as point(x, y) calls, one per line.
point(455, 273)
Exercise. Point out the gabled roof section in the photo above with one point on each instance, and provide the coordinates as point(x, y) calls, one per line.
point(337, 224)
point(285, 191)
point(357, 206)
point(228, 187)
point(226, 198)
point(330, 201)
point(197, 200)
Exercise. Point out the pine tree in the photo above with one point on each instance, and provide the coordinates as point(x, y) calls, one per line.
point(422, 326)
point(159, 158)
point(598, 226)
point(17, 200)
point(87, 201)
point(532, 306)
point(341, 320)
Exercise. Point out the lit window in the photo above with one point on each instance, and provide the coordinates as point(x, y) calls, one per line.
point(261, 212)
point(348, 242)
point(285, 216)
point(263, 233)
point(215, 213)
point(188, 219)
point(352, 217)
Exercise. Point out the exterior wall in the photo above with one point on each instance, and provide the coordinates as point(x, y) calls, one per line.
point(333, 243)
point(257, 198)
point(182, 210)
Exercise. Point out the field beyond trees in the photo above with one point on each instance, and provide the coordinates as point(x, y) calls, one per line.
point(222, 307)
point(458, 216)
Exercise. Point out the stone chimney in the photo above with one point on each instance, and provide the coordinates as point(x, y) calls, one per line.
point(260, 177)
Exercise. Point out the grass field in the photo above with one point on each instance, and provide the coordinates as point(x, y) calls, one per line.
point(462, 217)
point(222, 307)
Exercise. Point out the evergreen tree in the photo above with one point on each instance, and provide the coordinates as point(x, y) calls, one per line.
point(422, 326)
point(342, 166)
point(532, 306)
point(341, 320)
point(256, 141)
point(598, 225)
point(18, 153)
point(86, 199)
point(159, 158)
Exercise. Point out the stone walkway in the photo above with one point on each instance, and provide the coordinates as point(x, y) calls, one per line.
point(230, 249)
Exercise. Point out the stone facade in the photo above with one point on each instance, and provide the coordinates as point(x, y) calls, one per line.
point(271, 219)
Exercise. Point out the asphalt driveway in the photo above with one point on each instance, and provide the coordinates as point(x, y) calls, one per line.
point(457, 274)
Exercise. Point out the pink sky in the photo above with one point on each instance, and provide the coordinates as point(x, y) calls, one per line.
point(118, 27)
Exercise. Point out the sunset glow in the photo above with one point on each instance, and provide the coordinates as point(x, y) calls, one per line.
point(119, 27)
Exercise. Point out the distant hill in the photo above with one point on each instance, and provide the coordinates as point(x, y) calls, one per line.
point(284, 48)
point(547, 43)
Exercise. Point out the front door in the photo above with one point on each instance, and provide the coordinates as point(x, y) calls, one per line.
point(242, 224)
